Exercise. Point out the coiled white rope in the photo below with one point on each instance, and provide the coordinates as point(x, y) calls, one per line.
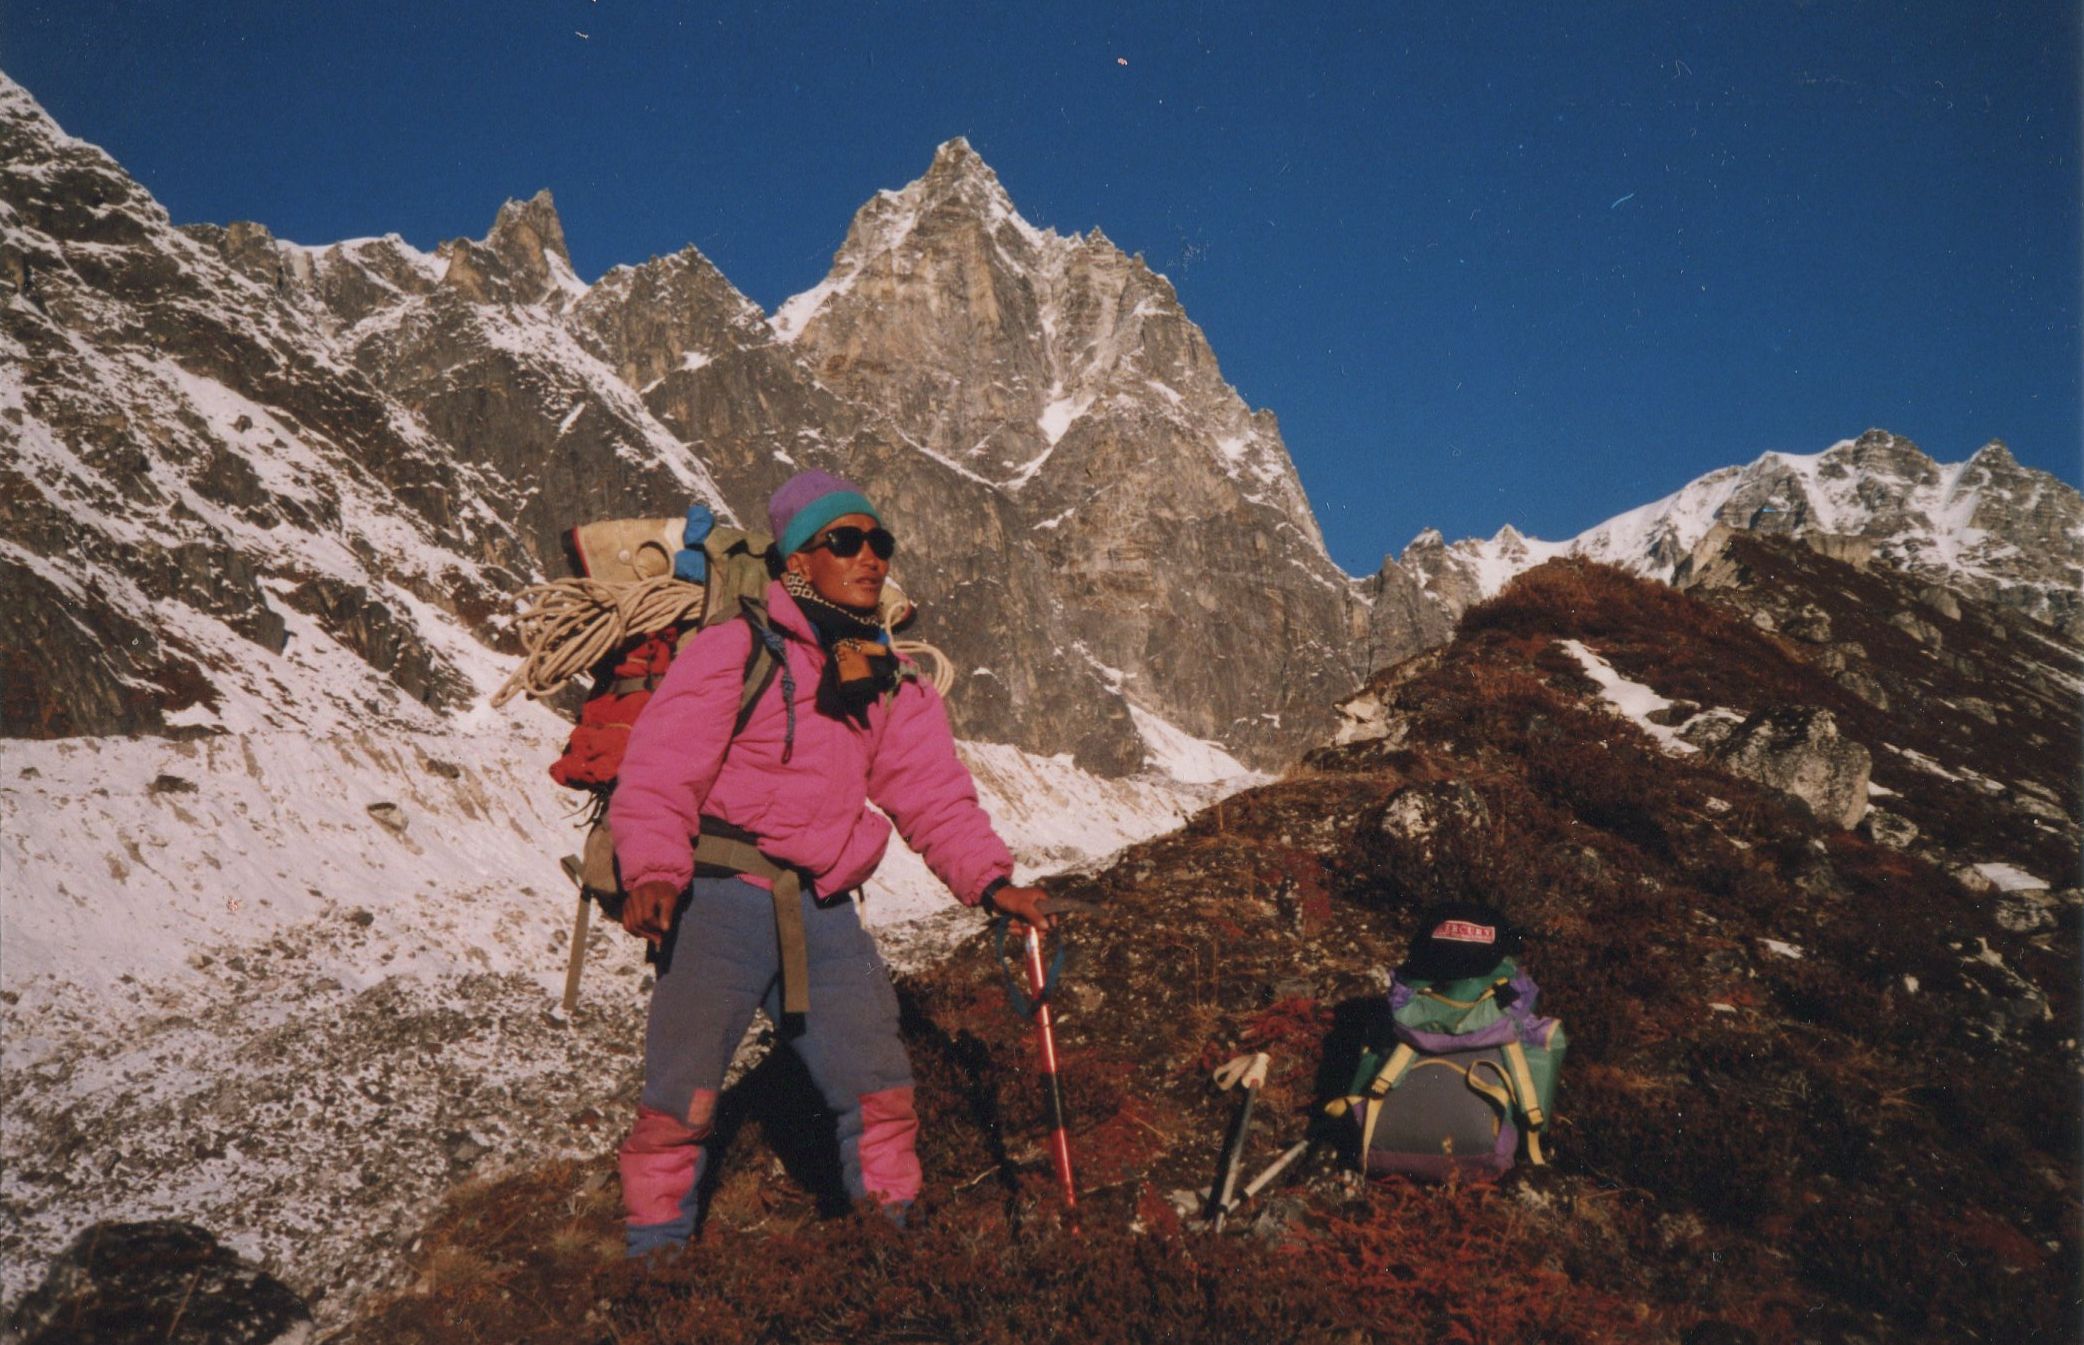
point(941, 676)
point(569, 625)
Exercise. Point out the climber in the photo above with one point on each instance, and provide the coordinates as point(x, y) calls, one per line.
point(753, 847)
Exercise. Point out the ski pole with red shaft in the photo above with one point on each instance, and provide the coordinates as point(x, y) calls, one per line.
point(1035, 1004)
point(1052, 1093)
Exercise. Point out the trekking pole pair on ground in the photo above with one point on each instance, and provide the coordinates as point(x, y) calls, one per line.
point(1249, 1073)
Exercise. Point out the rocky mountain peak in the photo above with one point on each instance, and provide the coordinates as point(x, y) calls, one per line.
point(959, 184)
point(1878, 453)
point(521, 260)
point(62, 187)
point(673, 313)
point(957, 206)
point(1994, 456)
point(1428, 539)
point(1063, 374)
point(528, 231)
point(29, 127)
point(955, 164)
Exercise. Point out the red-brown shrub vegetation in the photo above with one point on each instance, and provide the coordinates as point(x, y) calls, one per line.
point(1802, 1099)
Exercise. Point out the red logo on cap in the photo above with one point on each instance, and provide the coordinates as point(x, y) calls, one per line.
point(1462, 931)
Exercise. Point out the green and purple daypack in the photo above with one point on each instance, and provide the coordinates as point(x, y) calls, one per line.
point(1465, 1074)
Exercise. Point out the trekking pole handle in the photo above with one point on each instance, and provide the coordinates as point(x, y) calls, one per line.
point(1249, 1070)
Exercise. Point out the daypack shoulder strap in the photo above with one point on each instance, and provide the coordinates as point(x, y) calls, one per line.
point(1523, 1084)
point(1389, 1076)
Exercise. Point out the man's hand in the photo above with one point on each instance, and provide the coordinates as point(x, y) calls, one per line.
point(648, 910)
point(1024, 905)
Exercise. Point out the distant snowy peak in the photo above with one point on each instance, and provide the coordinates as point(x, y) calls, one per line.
point(1464, 573)
point(1987, 525)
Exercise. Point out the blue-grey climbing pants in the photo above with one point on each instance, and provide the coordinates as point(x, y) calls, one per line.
point(721, 962)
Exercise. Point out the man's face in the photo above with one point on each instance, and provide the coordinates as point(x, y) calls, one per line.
point(854, 581)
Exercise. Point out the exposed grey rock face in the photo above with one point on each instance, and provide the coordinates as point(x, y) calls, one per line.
point(1164, 513)
point(1797, 749)
point(364, 451)
point(194, 476)
point(1090, 515)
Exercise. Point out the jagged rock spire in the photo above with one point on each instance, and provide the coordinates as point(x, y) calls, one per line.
point(522, 259)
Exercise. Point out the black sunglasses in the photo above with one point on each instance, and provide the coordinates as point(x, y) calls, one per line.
point(846, 541)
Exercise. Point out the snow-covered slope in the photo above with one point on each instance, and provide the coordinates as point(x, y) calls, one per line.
point(294, 986)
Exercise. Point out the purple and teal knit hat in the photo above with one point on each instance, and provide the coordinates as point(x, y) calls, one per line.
point(807, 501)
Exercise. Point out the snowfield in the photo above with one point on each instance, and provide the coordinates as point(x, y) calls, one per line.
point(294, 986)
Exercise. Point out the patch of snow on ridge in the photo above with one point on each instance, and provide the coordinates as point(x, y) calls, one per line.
point(428, 264)
point(1631, 700)
point(2011, 878)
point(796, 312)
point(1186, 758)
point(1495, 563)
point(563, 278)
point(1058, 416)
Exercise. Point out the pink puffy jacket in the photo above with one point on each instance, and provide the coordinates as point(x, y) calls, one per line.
point(812, 810)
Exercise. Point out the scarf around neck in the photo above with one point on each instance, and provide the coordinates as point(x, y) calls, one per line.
point(860, 666)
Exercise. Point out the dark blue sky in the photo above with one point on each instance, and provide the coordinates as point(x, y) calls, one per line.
point(1488, 263)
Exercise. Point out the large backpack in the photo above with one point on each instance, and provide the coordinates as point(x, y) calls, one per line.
point(1465, 1073)
point(704, 574)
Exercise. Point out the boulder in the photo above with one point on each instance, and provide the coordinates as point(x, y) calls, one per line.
point(1941, 599)
point(1429, 837)
point(1888, 830)
point(1366, 718)
point(1810, 624)
point(1796, 749)
point(164, 1282)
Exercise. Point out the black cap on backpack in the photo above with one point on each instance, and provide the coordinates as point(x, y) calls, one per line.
point(1459, 939)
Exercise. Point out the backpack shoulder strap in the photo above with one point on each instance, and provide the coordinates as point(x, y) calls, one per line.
point(766, 660)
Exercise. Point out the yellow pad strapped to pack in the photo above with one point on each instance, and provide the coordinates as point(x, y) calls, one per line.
point(1392, 1072)
point(1499, 1093)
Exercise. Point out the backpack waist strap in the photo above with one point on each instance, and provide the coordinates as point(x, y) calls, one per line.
point(723, 849)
